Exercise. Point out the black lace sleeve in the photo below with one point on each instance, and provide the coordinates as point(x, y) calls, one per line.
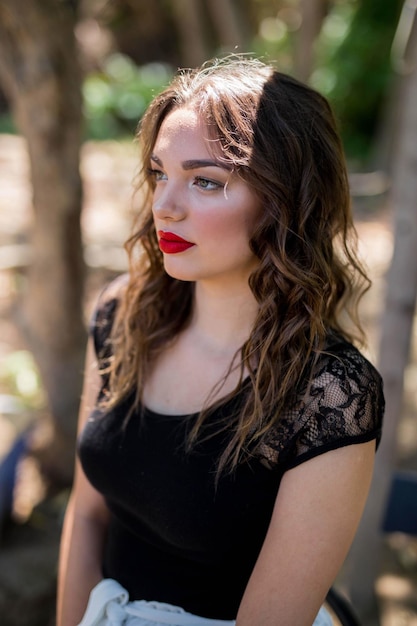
point(344, 405)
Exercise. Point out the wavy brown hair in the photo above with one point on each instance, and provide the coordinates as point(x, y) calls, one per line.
point(280, 136)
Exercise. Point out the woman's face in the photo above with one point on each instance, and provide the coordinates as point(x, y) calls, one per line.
point(204, 213)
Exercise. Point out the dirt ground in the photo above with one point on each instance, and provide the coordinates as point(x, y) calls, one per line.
point(28, 547)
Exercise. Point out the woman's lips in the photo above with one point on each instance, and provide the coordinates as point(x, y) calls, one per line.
point(171, 243)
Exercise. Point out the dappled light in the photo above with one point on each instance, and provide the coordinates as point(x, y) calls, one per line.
point(108, 171)
point(128, 53)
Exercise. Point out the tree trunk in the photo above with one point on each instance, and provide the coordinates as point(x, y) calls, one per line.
point(41, 77)
point(228, 22)
point(312, 15)
point(384, 148)
point(192, 35)
point(363, 562)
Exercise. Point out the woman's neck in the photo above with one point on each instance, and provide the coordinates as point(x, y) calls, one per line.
point(223, 317)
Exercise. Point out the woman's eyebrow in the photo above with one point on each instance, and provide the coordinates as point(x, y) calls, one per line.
point(156, 159)
point(193, 164)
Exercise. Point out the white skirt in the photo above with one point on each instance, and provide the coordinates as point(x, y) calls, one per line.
point(109, 605)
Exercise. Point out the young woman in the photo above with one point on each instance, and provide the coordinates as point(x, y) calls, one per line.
point(228, 425)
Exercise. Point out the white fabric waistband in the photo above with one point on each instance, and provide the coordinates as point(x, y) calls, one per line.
point(109, 605)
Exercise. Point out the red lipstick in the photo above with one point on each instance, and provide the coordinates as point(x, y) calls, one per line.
point(171, 243)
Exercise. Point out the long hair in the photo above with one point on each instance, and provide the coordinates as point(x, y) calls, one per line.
point(280, 136)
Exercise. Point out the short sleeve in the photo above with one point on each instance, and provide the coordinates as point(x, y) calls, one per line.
point(344, 405)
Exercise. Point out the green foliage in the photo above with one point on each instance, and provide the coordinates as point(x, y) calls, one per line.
point(7, 125)
point(19, 376)
point(116, 98)
point(354, 68)
point(274, 40)
point(352, 60)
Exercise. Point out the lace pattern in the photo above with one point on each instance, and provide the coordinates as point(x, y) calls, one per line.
point(342, 405)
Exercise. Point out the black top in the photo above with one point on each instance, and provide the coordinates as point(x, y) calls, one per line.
point(173, 536)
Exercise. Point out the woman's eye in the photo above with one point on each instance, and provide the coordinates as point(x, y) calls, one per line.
point(157, 175)
point(207, 184)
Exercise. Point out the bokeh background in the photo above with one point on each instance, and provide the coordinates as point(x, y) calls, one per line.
point(75, 78)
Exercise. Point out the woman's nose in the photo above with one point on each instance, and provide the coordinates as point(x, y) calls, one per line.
point(168, 202)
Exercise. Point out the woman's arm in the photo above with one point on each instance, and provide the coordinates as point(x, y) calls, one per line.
point(315, 517)
point(85, 525)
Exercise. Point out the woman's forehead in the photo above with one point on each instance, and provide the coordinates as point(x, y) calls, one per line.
point(186, 126)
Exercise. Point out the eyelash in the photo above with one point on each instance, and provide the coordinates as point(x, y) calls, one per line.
point(152, 173)
point(211, 185)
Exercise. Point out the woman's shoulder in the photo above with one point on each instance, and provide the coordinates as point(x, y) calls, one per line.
point(342, 403)
point(342, 361)
point(344, 381)
point(113, 290)
point(104, 312)
point(110, 295)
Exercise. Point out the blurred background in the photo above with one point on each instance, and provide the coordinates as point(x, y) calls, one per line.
point(75, 78)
